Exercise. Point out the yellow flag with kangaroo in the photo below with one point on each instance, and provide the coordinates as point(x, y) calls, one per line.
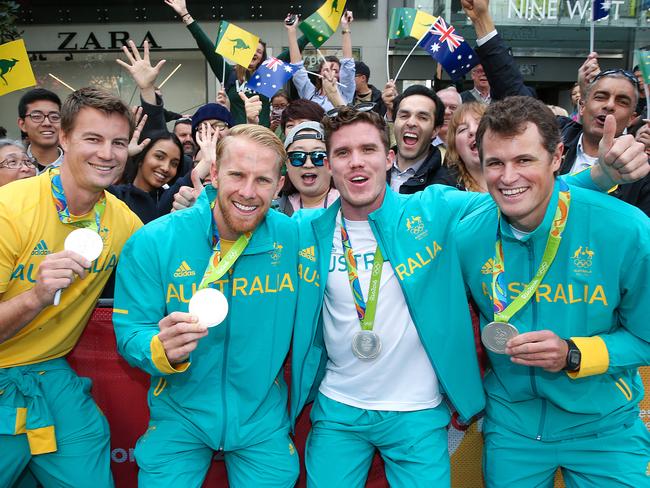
point(15, 69)
point(236, 44)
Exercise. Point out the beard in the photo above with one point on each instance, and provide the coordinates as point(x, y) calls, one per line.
point(237, 224)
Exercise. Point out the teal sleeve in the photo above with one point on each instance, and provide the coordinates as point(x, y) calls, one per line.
point(206, 46)
point(626, 351)
point(461, 203)
point(284, 55)
point(139, 302)
point(628, 346)
point(582, 179)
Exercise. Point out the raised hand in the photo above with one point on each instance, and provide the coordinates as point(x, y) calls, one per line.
point(207, 138)
point(330, 89)
point(388, 96)
point(179, 6)
point(620, 159)
point(140, 120)
point(186, 196)
point(222, 98)
point(139, 67)
point(478, 12)
point(253, 107)
point(346, 19)
point(587, 71)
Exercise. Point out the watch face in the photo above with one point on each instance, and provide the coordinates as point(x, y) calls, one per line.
point(574, 359)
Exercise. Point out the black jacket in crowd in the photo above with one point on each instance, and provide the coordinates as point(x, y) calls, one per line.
point(430, 172)
point(637, 193)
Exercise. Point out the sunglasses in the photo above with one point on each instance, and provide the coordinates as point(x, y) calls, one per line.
point(359, 107)
point(617, 71)
point(299, 158)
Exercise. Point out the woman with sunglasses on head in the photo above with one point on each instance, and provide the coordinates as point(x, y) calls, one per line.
point(338, 73)
point(235, 77)
point(15, 164)
point(308, 183)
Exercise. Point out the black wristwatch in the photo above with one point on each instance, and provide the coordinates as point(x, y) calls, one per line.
point(573, 356)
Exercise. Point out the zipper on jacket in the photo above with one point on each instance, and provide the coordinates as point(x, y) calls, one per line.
point(224, 363)
point(533, 371)
point(379, 237)
point(321, 294)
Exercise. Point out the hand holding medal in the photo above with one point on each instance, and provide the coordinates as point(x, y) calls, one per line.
point(85, 242)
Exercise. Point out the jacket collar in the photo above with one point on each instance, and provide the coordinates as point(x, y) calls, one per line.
point(262, 240)
point(430, 165)
point(542, 230)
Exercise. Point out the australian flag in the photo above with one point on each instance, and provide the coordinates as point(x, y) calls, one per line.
point(600, 9)
point(271, 76)
point(449, 49)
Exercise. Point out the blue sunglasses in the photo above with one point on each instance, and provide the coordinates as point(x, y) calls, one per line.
point(299, 158)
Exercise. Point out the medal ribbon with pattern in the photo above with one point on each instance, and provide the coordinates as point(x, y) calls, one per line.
point(61, 205)
point(365, 310)
point(502, 311)
point(217, 267)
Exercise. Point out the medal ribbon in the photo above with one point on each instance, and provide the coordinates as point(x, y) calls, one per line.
point(502, 311)
point(365, 310)
point(217, 267)
point(61, 205)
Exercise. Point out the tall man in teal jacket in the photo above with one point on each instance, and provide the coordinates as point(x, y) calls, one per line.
point(568, 271)
point(383, 333)
point(220, 389)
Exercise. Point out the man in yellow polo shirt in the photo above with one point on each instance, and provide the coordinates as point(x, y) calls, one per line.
point(48, 421)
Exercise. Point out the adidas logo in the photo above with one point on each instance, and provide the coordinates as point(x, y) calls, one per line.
point(184, 270)
point(487, 267)
point(41, 249)
point(308, 253)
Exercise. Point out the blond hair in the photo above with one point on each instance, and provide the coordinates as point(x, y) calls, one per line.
point(257, 134)
point(452, 158)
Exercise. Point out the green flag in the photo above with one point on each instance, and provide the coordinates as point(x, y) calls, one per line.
point(320, 25)
point(401, 22)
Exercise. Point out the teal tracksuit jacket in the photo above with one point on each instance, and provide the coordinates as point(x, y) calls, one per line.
point(414, 234)
point(231, 393)
point(597, 291)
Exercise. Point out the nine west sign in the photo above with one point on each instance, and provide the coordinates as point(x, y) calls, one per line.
point(553, 9)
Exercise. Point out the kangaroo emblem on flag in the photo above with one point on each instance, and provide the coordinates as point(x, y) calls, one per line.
point(238, 44)
point(6, 65)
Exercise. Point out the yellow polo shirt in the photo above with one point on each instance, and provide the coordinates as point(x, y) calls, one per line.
point(30, 229)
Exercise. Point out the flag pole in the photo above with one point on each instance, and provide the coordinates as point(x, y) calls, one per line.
point(62, 82)
point(223, 74)
point(647, 97)
point(321, 77)
point(591, 36)
point(387, 63)
point(409, 54)
point(170, 75)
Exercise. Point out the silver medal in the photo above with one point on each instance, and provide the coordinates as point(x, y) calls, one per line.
point(495, 335)
point(366, 344)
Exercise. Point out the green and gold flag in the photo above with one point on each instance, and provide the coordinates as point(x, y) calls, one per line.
point(15, 69)
point(320, 25)
point(236, 44)
point(401, 21)
point(421, 24)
